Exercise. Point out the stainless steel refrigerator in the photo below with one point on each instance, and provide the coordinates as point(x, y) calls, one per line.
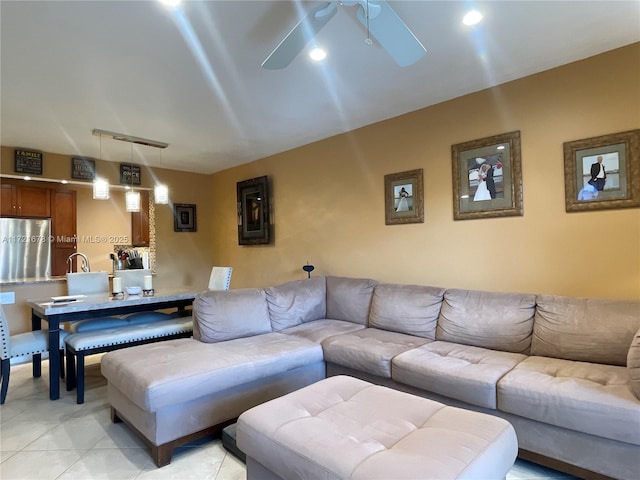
point(25, 248)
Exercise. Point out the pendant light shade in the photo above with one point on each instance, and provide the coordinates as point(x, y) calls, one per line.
point(100, 189)
point(161, 194)
point(132, 201)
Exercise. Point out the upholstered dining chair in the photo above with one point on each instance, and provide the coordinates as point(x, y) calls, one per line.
point(22, 345)
point(220, 278)
point(86, 283)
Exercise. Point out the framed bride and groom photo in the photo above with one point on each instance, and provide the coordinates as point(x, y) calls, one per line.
point(602, 172)
point(487, 177)
point(403, 198)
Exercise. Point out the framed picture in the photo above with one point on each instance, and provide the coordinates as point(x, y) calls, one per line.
point(487, 177)
point(602, 172)
point(403, 198)
point(130, 174)
point(253, 211)
point(83, 168)
point(184, 217)
point(28, 161)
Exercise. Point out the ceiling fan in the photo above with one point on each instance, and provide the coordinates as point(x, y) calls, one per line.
point(378, 17)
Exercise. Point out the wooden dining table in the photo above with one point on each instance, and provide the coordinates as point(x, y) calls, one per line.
point(91, 306)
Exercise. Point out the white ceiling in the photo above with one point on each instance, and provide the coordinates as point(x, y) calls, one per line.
point(192, 77)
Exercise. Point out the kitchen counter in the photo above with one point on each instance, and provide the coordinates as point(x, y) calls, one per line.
point(32, 280)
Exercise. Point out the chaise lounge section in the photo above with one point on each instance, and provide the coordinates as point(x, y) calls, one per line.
point(554, 367)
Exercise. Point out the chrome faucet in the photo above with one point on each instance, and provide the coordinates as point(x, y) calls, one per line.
point(84, 265)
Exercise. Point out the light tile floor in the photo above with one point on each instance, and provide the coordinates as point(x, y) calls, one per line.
point(40, 439)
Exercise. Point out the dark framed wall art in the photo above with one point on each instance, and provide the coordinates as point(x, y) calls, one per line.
point(253, 211)
point(184, 217)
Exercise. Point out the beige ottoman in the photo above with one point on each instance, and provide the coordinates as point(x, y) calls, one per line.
point(342, 427)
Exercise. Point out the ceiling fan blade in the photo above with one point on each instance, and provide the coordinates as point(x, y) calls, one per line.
point(300, 36)
point(392, 33)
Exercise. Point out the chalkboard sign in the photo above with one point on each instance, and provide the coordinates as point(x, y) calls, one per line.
point(28, 161)
point(129, 174)
point(83, 168)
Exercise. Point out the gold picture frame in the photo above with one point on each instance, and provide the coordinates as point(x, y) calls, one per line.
point(602, 172)
point(487, 177)
point(403, 198)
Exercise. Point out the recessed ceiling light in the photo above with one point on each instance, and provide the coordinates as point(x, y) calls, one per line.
point(317, 54)
point(472, 17)
point(171, 3)
point(501, 147)
point(27, 178)
point(64, 182)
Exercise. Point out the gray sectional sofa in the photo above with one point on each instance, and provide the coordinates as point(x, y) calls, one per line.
point(562, 370)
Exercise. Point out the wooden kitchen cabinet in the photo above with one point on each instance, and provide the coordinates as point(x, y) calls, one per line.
point(7, 200)
point(25, 201)
point(140, 222)
point(63, 229)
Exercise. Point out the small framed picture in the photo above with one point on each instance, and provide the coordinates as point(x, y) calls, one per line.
point(184, 217)
point(253, 211)
point(487, 177)
point(403, 198)
point(602, 172)
point(83, 168)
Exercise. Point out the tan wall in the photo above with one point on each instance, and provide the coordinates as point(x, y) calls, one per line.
point(328, 197)
point(182, 258)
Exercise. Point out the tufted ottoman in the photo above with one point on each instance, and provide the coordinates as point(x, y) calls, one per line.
point(343, 427)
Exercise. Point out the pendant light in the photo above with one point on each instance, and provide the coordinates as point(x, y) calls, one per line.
point(100, 186)
point(160, 191)
point(161, 194)
point(132, 199)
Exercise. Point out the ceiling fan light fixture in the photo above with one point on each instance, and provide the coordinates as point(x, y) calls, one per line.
point(472, 17)
point(317, 54)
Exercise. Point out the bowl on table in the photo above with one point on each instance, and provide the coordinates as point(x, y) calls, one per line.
point(134, 290)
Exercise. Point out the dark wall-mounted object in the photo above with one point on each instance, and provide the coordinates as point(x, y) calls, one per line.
point(308, 268)
point(253, 211)
point(184, 217)
point(28, 161)
point(130, 174)
point(83, 168)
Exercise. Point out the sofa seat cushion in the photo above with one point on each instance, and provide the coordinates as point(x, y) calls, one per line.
point(369, 350)
point(585, 397)
point(159, 375)
point(466, 373)
point(410, 309)
point(349, 298)
point(293, 303)
point(318, 330)
point(499, 321)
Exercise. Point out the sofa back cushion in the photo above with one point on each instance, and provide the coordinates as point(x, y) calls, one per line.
point(585, 329)
point(633, 364)
point(293, 303)
point(223, 315)
point(499, 321)
point(349, 299)
point(410, 309)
